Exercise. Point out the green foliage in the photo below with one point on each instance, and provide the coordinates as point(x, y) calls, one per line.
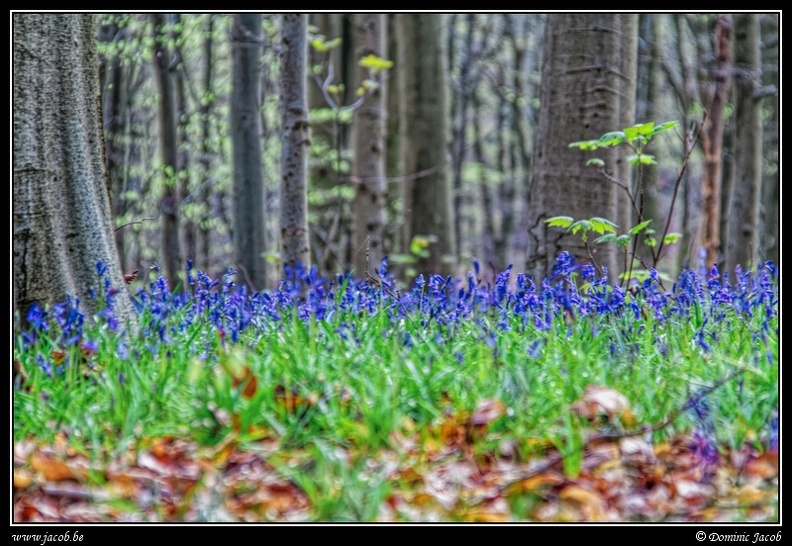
point(375, 64)
point(637, 138)
point(595, 224)
point(560, 221)
point(639, 227)
point(323, 45)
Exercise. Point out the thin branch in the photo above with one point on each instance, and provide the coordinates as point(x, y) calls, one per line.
point(134, 222)
point(690, 146)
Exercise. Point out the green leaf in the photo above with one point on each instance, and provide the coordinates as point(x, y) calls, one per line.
point(640, 227)
point(374, 63)
point(650, 242)
point(665, 126)
point(601, 225)
point(323, 46)
point(623, 240)
point(587, 145)
point(644, 159)
point(671, 238)
point(607, 238)
point(637, 274)
point(595, 162)
point(581, 225)
point(613, 138)
point(642, 129)
point(560, 221)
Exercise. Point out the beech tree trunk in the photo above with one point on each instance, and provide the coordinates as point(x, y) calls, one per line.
point(588, 89)
point(422, 74)
point(294, 156)
point(61, 207)
point(368, 170)
point(249, 243)
point(170, 250)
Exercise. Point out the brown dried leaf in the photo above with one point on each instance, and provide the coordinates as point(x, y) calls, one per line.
point(22, 479)
point(764, 466)
point(580, 495)
point(534, 482)
point(496, 511)
point(51, 469)
point(487, 411)
point(598, 401)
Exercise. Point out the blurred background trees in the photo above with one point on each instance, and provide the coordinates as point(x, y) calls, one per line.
point(433, 139)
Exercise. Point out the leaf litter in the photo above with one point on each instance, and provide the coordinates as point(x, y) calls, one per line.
point(439, 474)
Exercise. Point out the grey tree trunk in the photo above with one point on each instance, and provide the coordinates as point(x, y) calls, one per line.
point(203, 258)
point(648, 83)
point(184, 171)
point(771, 174)
point(61, 207)
point(424, 125)
point(587, 89)
point(368, 169)
point(112, 87)
point(395, 204)
point(294, 155)
point(169, 203)
point(742, 241)
point(249, 242)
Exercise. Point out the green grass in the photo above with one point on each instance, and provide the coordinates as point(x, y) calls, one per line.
point(350, 384)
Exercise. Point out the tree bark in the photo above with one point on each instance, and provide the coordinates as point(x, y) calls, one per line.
point(771, 174)
point(422, 75)
point(61, 206)
point(587, 89)
point(714, 92)
point(249, 243)
point(648, 85)
point(294, 156)
point(207, 106)
point(169, 203)
point(113, 125)
point(368, 206)
point(742, 242)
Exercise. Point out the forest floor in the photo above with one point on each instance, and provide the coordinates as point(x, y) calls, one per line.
point(428, 476)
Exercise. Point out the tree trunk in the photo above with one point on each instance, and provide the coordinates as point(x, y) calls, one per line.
point(461, 100)
point(395, 191)
point(742, 242)
point(587, 89)
point(169, 203)
point(249, 244)
point(368, 206)
point(714, 92)
point(61, 207)
point(647, 109)
point(771, 174)
point(184, 171)
point(207, 106)
point(294, 156)
point(422, 75)
point(114, 141)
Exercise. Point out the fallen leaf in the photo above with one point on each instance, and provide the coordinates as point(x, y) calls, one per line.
point(763, 466)
point(598, 402)
point(22, 479)
point(51, 469)
point(487, 411)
